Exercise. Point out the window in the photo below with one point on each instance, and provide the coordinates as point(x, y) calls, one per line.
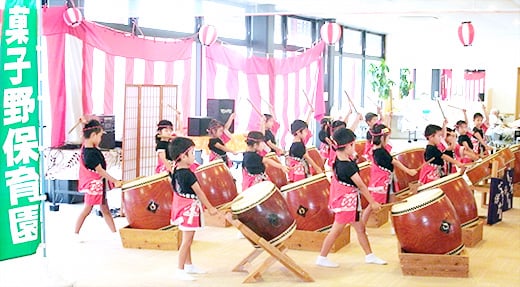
point(232, 25)
point(352, 41)
point(374, 45)
point(299, 32)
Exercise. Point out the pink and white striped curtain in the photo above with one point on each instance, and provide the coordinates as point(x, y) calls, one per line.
point(474, 84)
point(281, 83)
point(88, 66)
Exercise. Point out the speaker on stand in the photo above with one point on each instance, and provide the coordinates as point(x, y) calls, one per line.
point(221, 110)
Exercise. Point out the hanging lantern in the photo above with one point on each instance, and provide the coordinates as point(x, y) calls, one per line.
point(466, 33)
point(330, 33)
point(72, 17)
point(207, 35)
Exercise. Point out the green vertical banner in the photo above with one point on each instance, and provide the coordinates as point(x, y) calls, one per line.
point(19, 158)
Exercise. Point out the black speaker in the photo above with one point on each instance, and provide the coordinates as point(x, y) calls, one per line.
point(221, 109)
point(197, 126)
point(108, 140)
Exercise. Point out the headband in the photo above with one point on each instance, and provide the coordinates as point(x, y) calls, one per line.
point(183, 153)
point(92, 128)
point(254, 140)
point(382, 132)
point(164, 126)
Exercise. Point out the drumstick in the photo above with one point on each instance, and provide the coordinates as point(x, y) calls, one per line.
point(166, 136)
point(451, 106)
point(308, 101)
point(171, 107)
point(424, 163)
point(75, 126)
point(254, 107)
point(442, 111)
point(271, 108)
point(228, 204)
point(392, 203)
point(351, 103)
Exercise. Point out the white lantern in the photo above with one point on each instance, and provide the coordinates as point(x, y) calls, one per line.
point(72, 17)
point(207, 34)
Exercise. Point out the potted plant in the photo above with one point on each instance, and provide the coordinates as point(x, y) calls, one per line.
point(405, 85)
point(380, 83)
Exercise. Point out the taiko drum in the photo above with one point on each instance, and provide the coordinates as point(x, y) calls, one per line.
point(413, 158)
point(216, 182)
point(460, 195)
point(427, 223)
point(276, 175)
point(308, 203)
point(316, 157)
point(263, 209)
point(515, 149)
point(147, 201)
point(364, 173)
point(359, 146)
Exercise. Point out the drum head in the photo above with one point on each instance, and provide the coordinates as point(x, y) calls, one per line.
point(439, 182)
point(270, 154)
point(253, 196)
point(305, 181)
point(144, 180)
point(210, 164)
point(417, 201)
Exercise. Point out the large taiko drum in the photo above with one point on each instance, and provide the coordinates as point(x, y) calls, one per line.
point(427, 223)
point(359, 146)
point(316, 157)
point(413, 158)
point(515, 149)
point(263, 209)
point(460, 195)
point(216, 182)
point(481, 170)
point(276, 175)
point(308, 203)
point(147, 201)
point(364, 173)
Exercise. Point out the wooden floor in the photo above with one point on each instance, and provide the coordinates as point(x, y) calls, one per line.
point(102, 261)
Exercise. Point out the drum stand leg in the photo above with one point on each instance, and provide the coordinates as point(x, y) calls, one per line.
point(277, 253)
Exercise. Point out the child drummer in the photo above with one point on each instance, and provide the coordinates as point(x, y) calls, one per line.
point(253, 163)
point(346, 186)
point(434, 158)
point(186, 206)
point(162, 138)
point(220, 135)
point(299, 160)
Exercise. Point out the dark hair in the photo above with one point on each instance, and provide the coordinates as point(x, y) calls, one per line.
point(343, 136)
point(378, 133)
point(178, 146)
point(338, 124)
point(268, 117)
point(213, 125)
point(297, 126)
point(431, 130)
point(160, 126)
point(325, 130)
point(254, 137)
point(477, 115)
point(370, 116)
point(92, 127)
point(459, 123)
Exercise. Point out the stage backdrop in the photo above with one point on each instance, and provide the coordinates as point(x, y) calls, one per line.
point(281, 83)
point(88, 66)
point(85, 70)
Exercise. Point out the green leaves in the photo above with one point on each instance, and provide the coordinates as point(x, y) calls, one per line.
point(405, 85)
point(380, 83)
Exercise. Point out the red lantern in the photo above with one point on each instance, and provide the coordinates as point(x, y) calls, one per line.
point(330, 33)
point(466, 33)
point(72, 17)
point(207, 35)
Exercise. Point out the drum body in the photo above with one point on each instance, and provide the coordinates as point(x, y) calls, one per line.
point(276, 175)
point(359, 146)
point(308, 203)
point(148, 201)
point(460, 195)
point(364, 173)
point(482, 170)
point(413, 159)
point(515, 149)
point(427, 223)
point(216, 182)
point(263, 209)
point(316, 157)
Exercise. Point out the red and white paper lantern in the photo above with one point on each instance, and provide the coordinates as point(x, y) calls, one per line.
point(466, 33)
point(72, 17)
point(207, 35)
point(330, 33)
